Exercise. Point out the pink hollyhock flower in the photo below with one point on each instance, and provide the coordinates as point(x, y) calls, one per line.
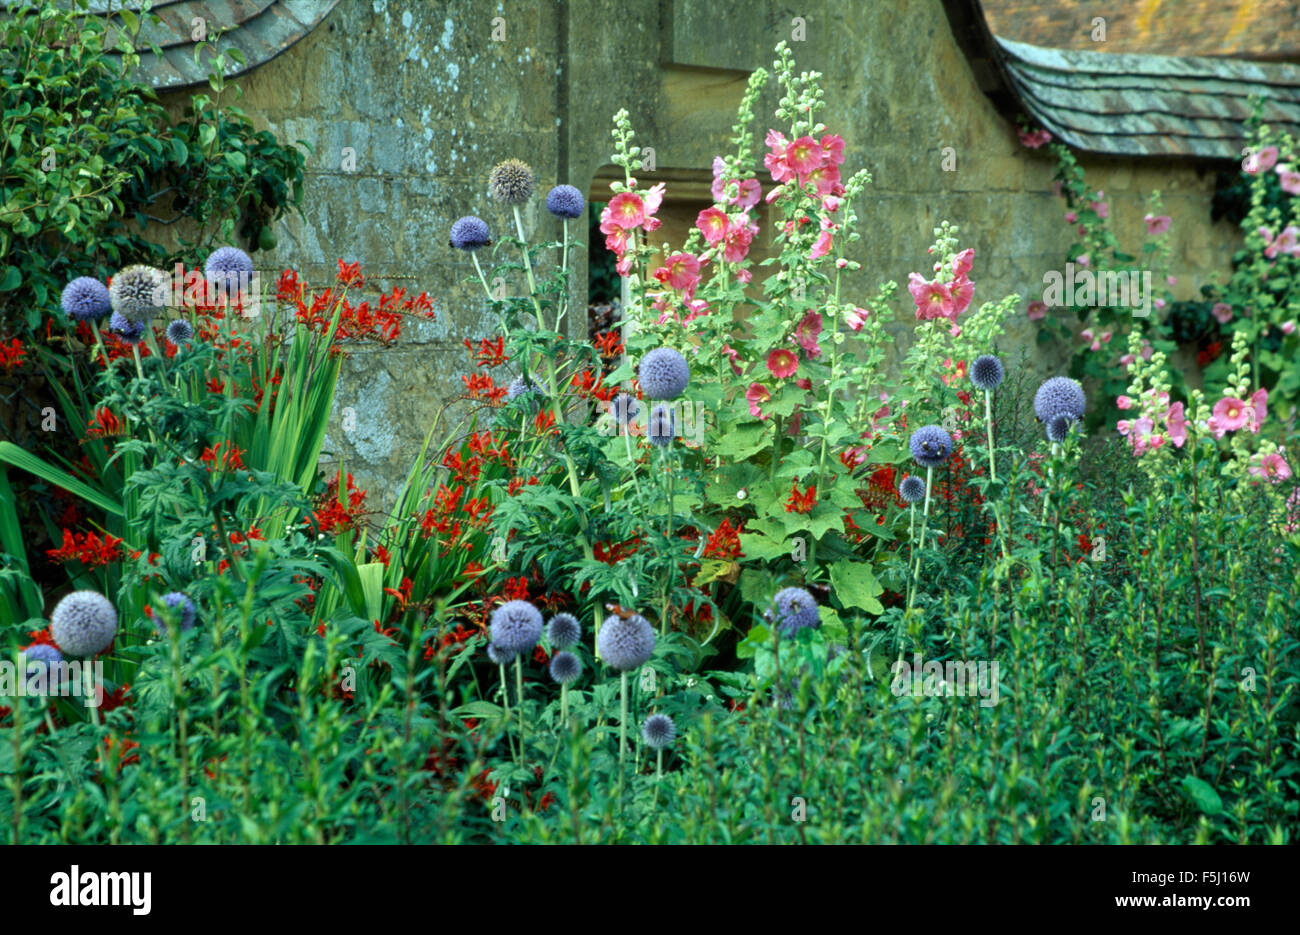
point(841, 263)
point(1158, 224)
point(1071, 217)
point(1172, 280)
point(698, 309)
point(1288, 327)
point(1222, 312)
point(625, 211)
point(775, 193)
point(830, 204)
point(756, 395)
point(855, 318)
point(782, 362)
point(963, 262)
point(744, 275)
point(1214, 428)
point(1124, 402)
point(1289, 179)
point(712, 223)
point(824, 242)
point(732, 354)
point(802, 156)
point(1147, 350)
point(1272, 466)
point(750, 192)
point(933, 300)
point(1036, 310)
point(963, 291)
point(804, 384)
point(1124, 426)
point(653, 199)
point(825, 178)
point(681, 272)
point(1086, 334)
point(1286, 241)
point(807, 332)
point(1033, 139)
point(1083, 260)
point(1176, 421)
point(1126, 360)
point(1231, 414)
point(740, 234)
point(833, 149)
point(1141, 435)
point(1100, 207)
point(1261, 161)
point(1105, 337)
point(1259, 408)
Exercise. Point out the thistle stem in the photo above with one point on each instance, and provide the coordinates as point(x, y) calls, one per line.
point(622, 724)
point(519, 699)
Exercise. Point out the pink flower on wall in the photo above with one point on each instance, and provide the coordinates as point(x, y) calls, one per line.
point(807, 332)
point(1261, 161)
point(1176, 420)
point(782, 362)
point(740, 234)
point(1033, 139)
point(1289, 179)
point(1230, 414)
point(1158, 224)
point(1222, 312)
point(712, 223)
point(1272, 466)
point(756, 395)
point(933, 299)
point(1036, 310)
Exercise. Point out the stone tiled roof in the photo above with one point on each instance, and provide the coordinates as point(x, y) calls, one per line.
point(1256, 29)
point(1149, 105)
point(259, 29)
point(1126, 104)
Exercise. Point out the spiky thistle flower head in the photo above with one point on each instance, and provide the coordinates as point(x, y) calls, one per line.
point(1058, 426)
point(516, 627)
point(663, 425)
point(512, 182)
point(625, 642)
point(497, 656)
point(229, 269)
point(795, 609)
point(1059, 395)
point(624, 408)
point(664, 373)
point(83, 623)
point(41, 656)
point(987, 373)
point(180, 602)
point(912, 489)
point(563, 631)
point(658, 731)
point(520, 387)
point(180, 331)
point(565, 667)
point(930, 445)
point(132, 332)
point(138, 293)
point(565, 201)
point(86, 299)
point(470, 233)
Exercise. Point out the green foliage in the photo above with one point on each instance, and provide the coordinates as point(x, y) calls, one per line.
point(88, 157)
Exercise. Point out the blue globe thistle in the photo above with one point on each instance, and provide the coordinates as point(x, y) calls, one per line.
point(565, 668)
point(563, 631)
point(912, 489)
point(930, 445)
point(86, 299)
point(519, 387)
point(663, 425)
point(132, 332)
point(565, 201)
point(512, 182)
point(624, 408)
point(138, 293)
point(180, 331)
point(664, 373)
point(1058, 426)
point(626, 642)
point(41, 656)
point(176, 599)
point(83, 623)
point(516, 627)
point(795, 610)
point(658, 731)
point(470, 233)
point(1059, 395)
point(497, 656)
point(228, 268)
point(987, 373)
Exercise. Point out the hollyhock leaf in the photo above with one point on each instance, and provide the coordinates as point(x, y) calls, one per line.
point(744, 440)
point(854, 585)
point(759, 547)
point(1203, 795)
point(823, 518)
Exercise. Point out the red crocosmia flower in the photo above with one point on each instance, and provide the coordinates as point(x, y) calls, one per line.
point(105, 423)
point(11, 354)
point(516, 589)
point(490, 353)
point(782, 362)
point(724, 543)
point(801, 502)
point(608, 344)
point(350, 274)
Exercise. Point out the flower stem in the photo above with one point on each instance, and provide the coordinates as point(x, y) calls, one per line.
point(519, 700)
point(622, 724)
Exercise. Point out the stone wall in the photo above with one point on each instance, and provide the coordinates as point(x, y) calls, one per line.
point(430, 101)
